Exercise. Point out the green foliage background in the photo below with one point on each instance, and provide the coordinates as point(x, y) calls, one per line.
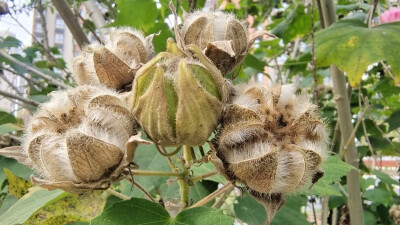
point(361, 52)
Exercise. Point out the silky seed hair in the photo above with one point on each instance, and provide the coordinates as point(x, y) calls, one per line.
point(83, 67)
point(130, 46)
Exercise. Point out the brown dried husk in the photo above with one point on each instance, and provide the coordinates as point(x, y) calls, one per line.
point(76, 141)
point(115, 64)
point(271, 140)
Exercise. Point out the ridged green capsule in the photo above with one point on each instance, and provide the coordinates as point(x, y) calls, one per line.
point(178, 98)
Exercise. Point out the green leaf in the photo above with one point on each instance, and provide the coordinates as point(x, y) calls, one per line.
point(17, 186)
point(148, 158)
point(197, 192)
point(30, 203)
point(253, 62)
point(291, 211)
point(379, 196)
point(334, 168)
point(385, 178)
point(296, 24)
point(9, 127)
point(9, 42)
point(207, 168)
point(249, 210)
point(6, 203)
point(147, 212)
point(352, 46)
point(73, 207)
point(159, 41)
point(15, 167)
point(369, 217)
point(6, 117)
point(136, 13)
point(272, 48)
point(394, 121)
point(202, 216)
point(252, 212)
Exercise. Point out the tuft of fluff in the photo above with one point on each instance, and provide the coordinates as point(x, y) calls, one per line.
point(83, 67)
point(128, 43)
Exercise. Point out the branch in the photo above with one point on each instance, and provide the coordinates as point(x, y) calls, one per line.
point(201, 177)
point(10, 83)
point(46, 46)
point(71, 21)
point(213, 195)
point(19, 98)
point(346, 127)
point(141, 188)
point(119, 195)
point(97, 17)
point(46, 50)
point(34, 70)
point(156, 173)
point(353, 133)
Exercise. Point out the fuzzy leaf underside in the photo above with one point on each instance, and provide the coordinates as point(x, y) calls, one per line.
point(352, 46)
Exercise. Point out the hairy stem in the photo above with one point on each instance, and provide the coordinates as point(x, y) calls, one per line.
point(201, 177)
point(184, 184)
point(117, 194)
point(141, 188)
point(157, 173)
point(213, 195)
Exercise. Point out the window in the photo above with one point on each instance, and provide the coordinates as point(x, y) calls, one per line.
point(59, 38)
point(60, 23)
point(38, 27)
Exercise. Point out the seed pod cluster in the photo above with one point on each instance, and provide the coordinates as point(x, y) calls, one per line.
point(76, 141)
point(177, 98)
point(271, 140)
point(115, 64)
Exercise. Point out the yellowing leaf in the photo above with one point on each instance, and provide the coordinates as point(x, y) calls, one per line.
point(71, 208)
point(352, 46)
point(17, 186)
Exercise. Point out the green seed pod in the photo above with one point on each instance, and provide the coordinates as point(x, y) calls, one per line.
point(177, 98)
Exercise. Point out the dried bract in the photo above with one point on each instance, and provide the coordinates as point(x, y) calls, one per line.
point(178, 99)
point(272, 141)
point(77, 140)
point(116, 63)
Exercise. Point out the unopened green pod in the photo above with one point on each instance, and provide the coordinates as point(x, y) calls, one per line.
point(178, 97)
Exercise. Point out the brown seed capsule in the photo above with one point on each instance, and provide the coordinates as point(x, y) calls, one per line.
point(222, 37)
point(271, 140)
point(116, 63)
point(77, 140)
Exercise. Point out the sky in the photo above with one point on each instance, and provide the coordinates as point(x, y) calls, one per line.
point(7, 24)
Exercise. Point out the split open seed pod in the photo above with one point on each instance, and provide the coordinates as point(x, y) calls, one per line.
point(116, 63)
point(79, 140)
point(272, 141)
point(178, 98)
point(221, 36)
